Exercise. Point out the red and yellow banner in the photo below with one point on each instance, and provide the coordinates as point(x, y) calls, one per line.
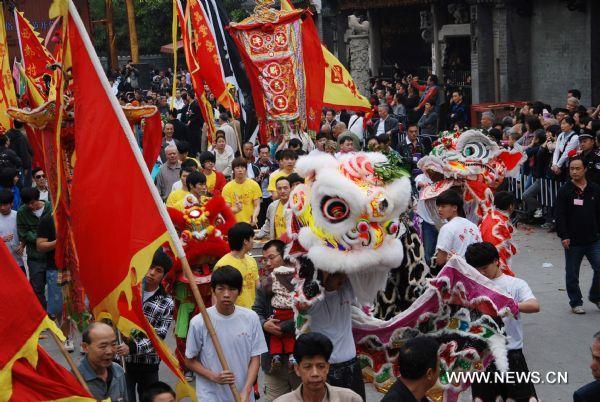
point(117, 225)
point(7, 89)
point(207, 55)
point(34, 55)
point(27, 373)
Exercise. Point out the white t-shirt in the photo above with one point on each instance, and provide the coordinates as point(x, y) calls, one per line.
point(147, 295)
point(422, 210)
point(355, 124)
point(456, 235)
point(332, 317)
point(381, 127)
point(8, 225)
point(241, 338)
point(178, 185)
point(520, 291)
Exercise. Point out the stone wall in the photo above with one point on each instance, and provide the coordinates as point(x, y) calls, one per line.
point(560, 52)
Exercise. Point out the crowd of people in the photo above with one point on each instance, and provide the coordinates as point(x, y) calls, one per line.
point(251, 312)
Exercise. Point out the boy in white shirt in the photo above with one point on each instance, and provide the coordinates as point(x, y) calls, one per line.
point(484, 257)
point(242, 340)
point(458, 233)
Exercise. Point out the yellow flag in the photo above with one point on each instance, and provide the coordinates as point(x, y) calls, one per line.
point(58, 8)
point(7, 88)
point(340, 89)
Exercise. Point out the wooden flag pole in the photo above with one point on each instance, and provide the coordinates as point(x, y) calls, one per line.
point(69, 359)
point(162, 209)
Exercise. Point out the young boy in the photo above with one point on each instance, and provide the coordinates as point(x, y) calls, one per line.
point(242, 194)
point(143, 362)
point(484, 257)
point(456, 235)
point(240, 238)
point(242, 340)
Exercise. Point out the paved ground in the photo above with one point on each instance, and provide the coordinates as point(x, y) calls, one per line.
point(555, 339)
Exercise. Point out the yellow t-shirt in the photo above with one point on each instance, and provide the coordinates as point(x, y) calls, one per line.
point(249, 270)
point(174, 199)
point(273, 179)
point(246, 192)
point(279, 221)
point(211, 180)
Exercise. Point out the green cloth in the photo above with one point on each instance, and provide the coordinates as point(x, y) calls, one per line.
point(184, 311)
point(27, 224)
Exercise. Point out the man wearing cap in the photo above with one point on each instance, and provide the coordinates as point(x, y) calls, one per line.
point(590, 155)
point(141, 365)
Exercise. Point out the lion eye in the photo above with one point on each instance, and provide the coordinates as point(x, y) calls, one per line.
point(475, 150)
point(334, 209)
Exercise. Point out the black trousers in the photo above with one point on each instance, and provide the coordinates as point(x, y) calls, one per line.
point(262, 214)
point(142, 375)
point(520, 392)
point(347, 375)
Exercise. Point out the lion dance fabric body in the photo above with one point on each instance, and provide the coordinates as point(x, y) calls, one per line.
point(347, 218)
point(476, 164)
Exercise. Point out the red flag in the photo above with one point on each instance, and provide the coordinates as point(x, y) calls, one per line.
point(152, 139)
point(34, 56)
point(206, 108)
point(207, 55)
point(27, 373)
point(118, 219)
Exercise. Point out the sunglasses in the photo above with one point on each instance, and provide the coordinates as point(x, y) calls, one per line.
point(39, 176)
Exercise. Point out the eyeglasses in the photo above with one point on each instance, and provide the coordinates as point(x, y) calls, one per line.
point(271, 257)
point(40, 176)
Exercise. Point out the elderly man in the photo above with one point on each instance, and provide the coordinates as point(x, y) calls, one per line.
point(168, 173)
point(572, 104)
point(487, 120)
point(590, 392)
point(387, 125)
point(104, 378)
point(168, 139)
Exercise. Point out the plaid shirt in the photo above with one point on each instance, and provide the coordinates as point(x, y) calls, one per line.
point(158, 310)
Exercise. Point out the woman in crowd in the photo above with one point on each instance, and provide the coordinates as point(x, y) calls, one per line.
point(223, 154)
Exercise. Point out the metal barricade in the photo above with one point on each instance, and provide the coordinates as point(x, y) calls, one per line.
point(548, 189)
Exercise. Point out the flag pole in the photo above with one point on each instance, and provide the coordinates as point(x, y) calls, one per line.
point(70, 361)
point(176, 242)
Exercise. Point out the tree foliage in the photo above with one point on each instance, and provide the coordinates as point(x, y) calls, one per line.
point(153, 22)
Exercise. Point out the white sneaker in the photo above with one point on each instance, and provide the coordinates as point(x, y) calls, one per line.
point(69, 345)
point(538, 213)
point(578, 310)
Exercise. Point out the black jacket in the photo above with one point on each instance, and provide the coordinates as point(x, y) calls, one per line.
point(591, 160)
point(588, 393)
point(390, 124)
point(20, 144)
point(578, 213)
point(9, 158)
point(400, 393)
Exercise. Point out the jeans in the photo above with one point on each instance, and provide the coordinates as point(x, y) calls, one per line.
point(37, 279)
point(347, 375)
point(530, 197)
point(142, 375)
point(430, 235)
point(573, 256)
point(54, 293)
